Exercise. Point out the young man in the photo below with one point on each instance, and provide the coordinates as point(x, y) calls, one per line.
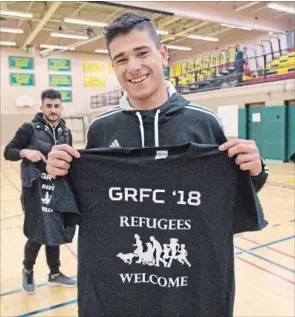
point(151, 113)
point(31, 144)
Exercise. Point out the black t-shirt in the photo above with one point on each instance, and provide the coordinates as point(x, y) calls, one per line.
point(41, 223)
point(156, 230)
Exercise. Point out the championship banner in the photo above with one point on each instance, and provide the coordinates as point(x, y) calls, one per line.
point(21, 79)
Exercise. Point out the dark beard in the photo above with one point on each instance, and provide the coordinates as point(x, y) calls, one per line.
point(50, 121)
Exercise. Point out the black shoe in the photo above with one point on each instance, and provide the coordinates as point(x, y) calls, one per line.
point(60, 279)
point(28, 282)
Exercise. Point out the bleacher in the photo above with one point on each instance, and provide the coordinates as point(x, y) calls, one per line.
point(219, 69)
point(279, 68)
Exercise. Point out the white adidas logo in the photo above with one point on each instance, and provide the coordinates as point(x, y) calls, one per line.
point(115, 143)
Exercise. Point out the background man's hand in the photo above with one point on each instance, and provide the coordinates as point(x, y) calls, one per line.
point(32, 155)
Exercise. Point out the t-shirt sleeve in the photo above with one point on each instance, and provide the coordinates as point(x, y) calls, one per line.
point(248, 213)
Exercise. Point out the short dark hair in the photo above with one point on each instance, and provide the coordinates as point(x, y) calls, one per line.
point(50, 94)
point(128, 22)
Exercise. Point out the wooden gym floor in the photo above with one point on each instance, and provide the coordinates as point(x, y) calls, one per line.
point(265, 261)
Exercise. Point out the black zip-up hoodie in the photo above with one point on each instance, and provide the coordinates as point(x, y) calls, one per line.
point(176, 122)
point(36, 135)
point(40, 223)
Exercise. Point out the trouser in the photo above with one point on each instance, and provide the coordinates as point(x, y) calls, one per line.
point(52, 255)
point(240, 69)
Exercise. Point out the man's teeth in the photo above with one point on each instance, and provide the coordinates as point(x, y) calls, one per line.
point(138, 80)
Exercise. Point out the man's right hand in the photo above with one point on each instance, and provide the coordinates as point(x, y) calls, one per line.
point(59, 159)
point(32, 155)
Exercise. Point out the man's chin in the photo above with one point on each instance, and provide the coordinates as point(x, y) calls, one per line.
point(52, 119)
point(140, 94)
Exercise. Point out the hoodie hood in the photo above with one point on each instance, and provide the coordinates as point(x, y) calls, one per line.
point(174, 104)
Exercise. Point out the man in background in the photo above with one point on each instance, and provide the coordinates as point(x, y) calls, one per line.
point(31, 144)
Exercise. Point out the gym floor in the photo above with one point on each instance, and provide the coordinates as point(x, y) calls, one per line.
point(265, 261)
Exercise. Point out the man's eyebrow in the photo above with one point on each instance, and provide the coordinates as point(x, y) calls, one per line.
point(141, 47)
point(118, 56)
point(135, 49)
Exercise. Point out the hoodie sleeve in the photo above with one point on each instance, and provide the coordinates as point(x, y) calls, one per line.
point(260, 180)
point(20, 141)
point(89, 144)
point(70, 138)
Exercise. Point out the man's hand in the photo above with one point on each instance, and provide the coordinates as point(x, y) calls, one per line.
point(32, 155)
point(248, 157)
point(59, 159)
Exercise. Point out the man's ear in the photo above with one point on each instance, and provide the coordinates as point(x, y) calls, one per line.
point(164, 54)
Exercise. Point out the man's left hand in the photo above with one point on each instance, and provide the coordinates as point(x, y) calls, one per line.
point(248, 157)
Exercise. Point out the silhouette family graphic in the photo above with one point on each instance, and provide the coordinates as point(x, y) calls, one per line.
point(155, 253)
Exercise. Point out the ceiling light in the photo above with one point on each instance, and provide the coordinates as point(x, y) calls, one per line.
point(69, 36)
point(162, 32)
point(11, 30)
point(57, 47)
point(7, 43)
point(204, 38)
point(84, 22)
point(281, 7)
point(237, 27)
point(16, 14)
point(180, 48)
point(102, 51)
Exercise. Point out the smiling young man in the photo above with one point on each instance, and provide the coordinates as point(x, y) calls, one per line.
point(31, 144)
point(150, 114)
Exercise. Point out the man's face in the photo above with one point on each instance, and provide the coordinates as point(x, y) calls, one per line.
point(51, 109)
point(138, 63)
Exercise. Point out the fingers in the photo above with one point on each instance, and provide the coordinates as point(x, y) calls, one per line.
point(66, 148)
point(229, 144)
point(59, 164)
point(248, 148)
point(59, 159)
point(36, 157)
point(53, 172)
point(42, 157)
point(56, 167)
point(248, 166)
point(245, 158)
point(248, 157)
point(59, 155)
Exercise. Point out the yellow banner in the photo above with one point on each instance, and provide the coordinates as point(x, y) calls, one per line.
point(111, 69)
point(93, 67)
point(94, 82)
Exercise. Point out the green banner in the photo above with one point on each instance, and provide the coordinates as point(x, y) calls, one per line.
point(166, 72)
point(66, 95)
point(59, 65)
point(21, 79)
point(21, 62)
point(60, 80)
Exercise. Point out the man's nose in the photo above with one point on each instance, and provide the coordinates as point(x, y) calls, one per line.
point(133, 65)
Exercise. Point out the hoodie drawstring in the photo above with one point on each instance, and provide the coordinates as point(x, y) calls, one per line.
point(141, 127)
point(156, 128)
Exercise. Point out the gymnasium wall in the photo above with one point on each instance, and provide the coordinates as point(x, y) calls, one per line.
point(272, 93)
point(12, 117)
